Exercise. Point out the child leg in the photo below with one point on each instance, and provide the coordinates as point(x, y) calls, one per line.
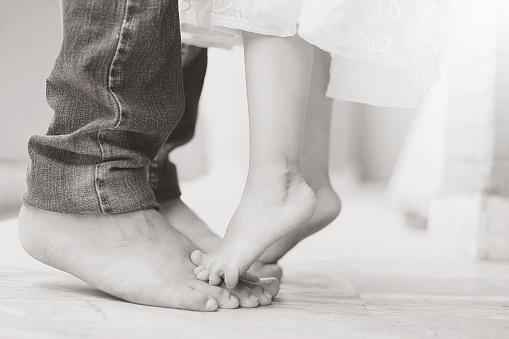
point(314, 161)
point(276, 199)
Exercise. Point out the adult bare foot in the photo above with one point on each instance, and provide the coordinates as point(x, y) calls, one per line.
point(253, 291)
point(134, 256)
point(178, 214)
point(270, 209)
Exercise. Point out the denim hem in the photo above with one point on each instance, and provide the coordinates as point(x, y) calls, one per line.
point(33, 203)
point(116, 90)
point(163, 178)
point(120, 189)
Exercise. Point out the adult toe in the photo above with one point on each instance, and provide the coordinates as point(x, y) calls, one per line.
point(264, 297)
point(246, 297)
point(188, 298)
point(270, 285)
point(222, 296)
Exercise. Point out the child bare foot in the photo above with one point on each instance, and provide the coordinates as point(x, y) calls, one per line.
point(314, 161)
point(276, 199)
point(328, 208)
point(178, 214)
point(270, 209)
point(134, 256)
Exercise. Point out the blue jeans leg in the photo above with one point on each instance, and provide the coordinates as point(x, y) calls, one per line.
point(116, 91)
point(163, 173)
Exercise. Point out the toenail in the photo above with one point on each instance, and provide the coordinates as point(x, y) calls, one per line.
point(253, 297)
point(234, 298)
point(211, 305)
point(267, 294)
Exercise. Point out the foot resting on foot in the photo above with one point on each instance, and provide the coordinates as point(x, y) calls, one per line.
point(328, 207)
point(180, 216)
point(272, 206)
point(136, 256)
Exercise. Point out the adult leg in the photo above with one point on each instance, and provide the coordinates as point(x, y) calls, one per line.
point(163, 173)
point(276, 198)
point(116, 90)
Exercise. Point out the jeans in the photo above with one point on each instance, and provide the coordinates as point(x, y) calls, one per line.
point(163, 174)
point(117, 93)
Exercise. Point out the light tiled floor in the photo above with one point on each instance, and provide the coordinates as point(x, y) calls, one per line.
point(366, 276)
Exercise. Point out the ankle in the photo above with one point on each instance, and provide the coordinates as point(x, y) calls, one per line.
point(271, 174)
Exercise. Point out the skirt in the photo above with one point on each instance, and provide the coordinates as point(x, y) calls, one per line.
point(384, 52)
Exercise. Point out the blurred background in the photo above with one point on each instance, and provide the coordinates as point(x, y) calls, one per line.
point(444, 166)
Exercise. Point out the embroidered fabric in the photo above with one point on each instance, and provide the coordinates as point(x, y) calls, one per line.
point(384, 52)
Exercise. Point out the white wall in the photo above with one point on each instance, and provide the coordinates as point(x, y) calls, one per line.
point(473, 213)
point(30, 36)
point(29, 41)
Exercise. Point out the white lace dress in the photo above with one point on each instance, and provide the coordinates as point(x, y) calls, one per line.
point(384, 52)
